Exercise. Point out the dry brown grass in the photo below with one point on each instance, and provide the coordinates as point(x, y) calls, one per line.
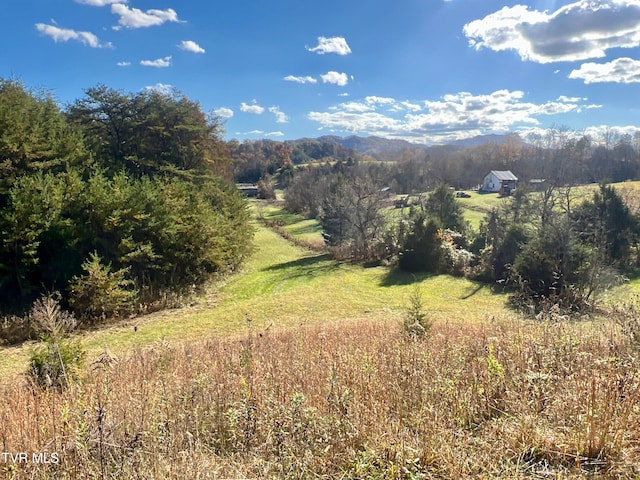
point(500, 398)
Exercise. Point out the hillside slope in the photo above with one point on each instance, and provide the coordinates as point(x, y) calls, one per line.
point(286, 285)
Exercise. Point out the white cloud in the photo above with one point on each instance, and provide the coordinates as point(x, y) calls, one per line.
point(163, 88)
point(223, 112)
point(354, 107)
point(136, 18)
point(191, 46)
point(124, 64)
point(253, 108)
point(280, 116)
point(451, 117)
point(599, 133)
point(262, 133)
point(372, 99)
point(576, 31)
point(293, 78)
point(336, 78)
point(414, 107)
point(65, 34)
point(331, 45)
point(158, 63)
point(620, 70)
point(99, 3)
point(565, 98)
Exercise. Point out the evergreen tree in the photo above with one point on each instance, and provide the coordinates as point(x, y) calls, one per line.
point(442, 205)
point(420, 244)
point(606, 223)
point(34, 136)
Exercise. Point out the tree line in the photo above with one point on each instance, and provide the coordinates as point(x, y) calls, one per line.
point(116, 202)
point(559, 156)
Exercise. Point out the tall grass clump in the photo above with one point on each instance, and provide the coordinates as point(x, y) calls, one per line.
point(494, 398)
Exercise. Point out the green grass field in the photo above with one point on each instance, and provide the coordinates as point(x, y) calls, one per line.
point(286, 285)
point(479, 205)
point(305, 229)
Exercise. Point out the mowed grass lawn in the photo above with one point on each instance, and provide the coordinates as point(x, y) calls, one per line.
point(284, 285)
point(305, 229)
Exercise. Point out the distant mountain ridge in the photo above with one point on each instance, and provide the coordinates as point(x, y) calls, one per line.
point(371, 145)
point(377, 146)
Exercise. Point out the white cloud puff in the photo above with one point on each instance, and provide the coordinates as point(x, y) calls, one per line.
point(123, 64)
point(262, 133)
point(223, 112)
point(65, 34)
point(253, 108)
point(191, 46)
point(451, 117)
point(280, 116)
point(331, 45)
point(162, 88)
point(336, 78)
point(306, 79)
point(136, 18)
point(620, 70)
point(577, 31)
point(158, 63)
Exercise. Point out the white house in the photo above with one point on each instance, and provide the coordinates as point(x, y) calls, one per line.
point(503, 181)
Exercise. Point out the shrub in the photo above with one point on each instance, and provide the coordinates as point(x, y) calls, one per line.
point(101, 293)
point(420, 246)
point(58, 361)
point(56, 364)
point(457, 260)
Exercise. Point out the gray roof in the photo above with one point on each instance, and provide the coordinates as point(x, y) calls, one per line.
point(504, 175)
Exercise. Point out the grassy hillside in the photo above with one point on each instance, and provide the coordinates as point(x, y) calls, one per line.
point(286, 285)
point(297, 367)
point(479, 205)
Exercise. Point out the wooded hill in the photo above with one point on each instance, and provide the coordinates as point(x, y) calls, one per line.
point(117, 203)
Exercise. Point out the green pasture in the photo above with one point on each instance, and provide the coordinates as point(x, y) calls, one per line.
point(307, 230)
point(284, 285)
point(479, 205)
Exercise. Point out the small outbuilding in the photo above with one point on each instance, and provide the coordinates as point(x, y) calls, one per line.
point(502, 181)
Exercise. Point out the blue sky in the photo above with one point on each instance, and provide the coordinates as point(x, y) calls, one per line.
point(428, 71)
